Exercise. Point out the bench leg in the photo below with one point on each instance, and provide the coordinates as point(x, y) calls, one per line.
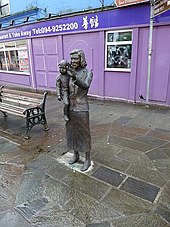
point(35, 116)
point(46, 128)
point(27, 129)
point(4, 113)
point(30, 122)
point(27, 137)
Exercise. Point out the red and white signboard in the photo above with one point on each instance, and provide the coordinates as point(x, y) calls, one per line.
point(128, 2)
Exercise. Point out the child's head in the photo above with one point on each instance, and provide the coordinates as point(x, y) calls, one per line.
point(63, 66)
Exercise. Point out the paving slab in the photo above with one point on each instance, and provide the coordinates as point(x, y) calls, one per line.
point(164, 198)
point(141, 220)
point(150, 140)
point(11, 218)
point(82, 182)
point(107, 158)
point(126, 204)
point(136, 145)
point(160, 134)
point(89, 210)
point(102, 224)
point(163, 166)
point(55, 217)
point(156, 153)
point(133, 156)
point(123, 120)
point(163, 211)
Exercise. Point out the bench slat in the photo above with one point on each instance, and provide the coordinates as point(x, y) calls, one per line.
point(7, 105)
point(11, 109)
point(14, 113)
point(23, 102)
point(23, 93)
point(23, 98)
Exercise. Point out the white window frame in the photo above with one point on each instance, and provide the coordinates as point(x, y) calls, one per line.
point(5, 5)
point(4, 49)
point(114, 43)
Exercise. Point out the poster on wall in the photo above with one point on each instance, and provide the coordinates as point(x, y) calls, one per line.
point(23, 60)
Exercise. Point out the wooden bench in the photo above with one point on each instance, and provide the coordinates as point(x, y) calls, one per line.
point(28, 105)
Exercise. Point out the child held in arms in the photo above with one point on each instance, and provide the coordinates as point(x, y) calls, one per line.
point(62, 86)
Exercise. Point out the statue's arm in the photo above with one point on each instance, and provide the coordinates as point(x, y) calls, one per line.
point(58, 88)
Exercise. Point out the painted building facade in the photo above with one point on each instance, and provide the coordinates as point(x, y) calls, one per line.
point(115, 42)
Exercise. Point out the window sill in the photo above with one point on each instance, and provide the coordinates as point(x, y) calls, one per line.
point(15, 72)
point(117, 70)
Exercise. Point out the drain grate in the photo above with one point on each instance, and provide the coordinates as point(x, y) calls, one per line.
point(109, 176)
point(103, 224)
point(140, 189)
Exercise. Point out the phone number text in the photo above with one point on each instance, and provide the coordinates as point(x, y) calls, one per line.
point(55, 28)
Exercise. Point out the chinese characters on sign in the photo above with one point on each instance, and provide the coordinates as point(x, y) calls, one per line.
point(93, 22)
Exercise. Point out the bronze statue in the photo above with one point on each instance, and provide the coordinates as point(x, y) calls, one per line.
point(78, 128)
point(62, 86)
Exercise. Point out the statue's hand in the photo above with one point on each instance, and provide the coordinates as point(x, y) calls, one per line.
point(71, 72)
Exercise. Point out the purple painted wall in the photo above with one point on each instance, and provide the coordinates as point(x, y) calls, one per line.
point(15, 79)
point(46, 52)
point(160, 69)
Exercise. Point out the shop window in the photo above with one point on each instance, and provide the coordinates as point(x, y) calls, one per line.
point(14, 56)
point(118, 50)
point(4, 8)
point(2, 61)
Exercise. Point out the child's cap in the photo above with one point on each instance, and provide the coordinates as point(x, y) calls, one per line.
point(63, 63)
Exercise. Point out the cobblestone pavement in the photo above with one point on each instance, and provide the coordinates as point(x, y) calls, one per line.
point(128, 185)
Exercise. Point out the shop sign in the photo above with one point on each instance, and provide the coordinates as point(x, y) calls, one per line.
point(79, 23)
point(70, 24)
point(161, 7)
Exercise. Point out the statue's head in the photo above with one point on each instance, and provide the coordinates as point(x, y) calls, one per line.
point(78, 58)
point(63, 66)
